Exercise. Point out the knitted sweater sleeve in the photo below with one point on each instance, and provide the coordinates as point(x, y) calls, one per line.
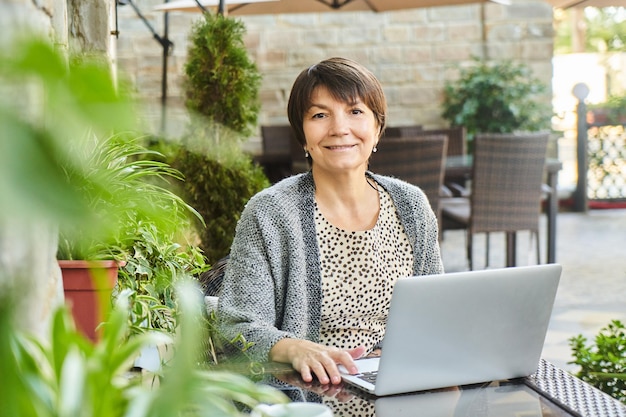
point(269, 291)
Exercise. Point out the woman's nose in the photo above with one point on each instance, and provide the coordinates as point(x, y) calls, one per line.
point(339, 125)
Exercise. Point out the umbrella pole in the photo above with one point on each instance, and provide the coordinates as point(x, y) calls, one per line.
point(166, 52)
point(167, 46)
point(483, 29)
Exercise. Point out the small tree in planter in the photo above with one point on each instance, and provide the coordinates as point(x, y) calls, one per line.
point(498, 97)
point(221, 85)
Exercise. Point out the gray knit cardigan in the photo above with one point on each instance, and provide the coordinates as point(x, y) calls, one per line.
point(272, 284)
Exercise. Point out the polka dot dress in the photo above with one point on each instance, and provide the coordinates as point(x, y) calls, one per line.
point(359, 269)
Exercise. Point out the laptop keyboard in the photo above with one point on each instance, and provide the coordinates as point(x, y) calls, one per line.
point(369, 376)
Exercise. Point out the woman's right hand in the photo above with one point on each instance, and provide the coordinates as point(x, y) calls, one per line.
point(309, 358)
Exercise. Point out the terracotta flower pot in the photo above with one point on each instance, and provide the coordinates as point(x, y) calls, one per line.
point(88, 286)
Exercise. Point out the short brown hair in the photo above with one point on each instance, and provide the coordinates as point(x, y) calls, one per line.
point(345, 80)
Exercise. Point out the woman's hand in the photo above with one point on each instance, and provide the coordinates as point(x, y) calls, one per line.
point(309, 358)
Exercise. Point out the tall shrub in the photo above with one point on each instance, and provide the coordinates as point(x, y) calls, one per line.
point(218, 190)
point(221, 86)
point(221, 82)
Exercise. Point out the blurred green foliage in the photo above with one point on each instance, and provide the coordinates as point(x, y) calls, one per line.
point(69, 376)
point(603, 362)
point(48, 111)
point(219, 181)
point(496, 97)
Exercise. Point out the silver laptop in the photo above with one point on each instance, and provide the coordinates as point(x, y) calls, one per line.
point(462, 328)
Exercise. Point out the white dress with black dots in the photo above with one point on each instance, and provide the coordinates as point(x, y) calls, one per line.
point(359, 269)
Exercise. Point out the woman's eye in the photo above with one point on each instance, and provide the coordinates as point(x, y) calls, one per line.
point(317, 116)
point(357, 111)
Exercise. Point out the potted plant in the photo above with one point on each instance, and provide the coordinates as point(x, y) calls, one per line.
point(222, 94)
point(496, 97)
point(64, 167)
point(132, 201)
point(603, 361)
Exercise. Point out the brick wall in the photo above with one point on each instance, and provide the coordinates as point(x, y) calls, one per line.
point(413, 52)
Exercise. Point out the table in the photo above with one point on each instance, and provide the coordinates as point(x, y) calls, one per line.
point(548, 392)
point(461, 165)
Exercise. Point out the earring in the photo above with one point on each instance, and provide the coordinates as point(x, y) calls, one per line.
point(306, 153)
point(375, 149)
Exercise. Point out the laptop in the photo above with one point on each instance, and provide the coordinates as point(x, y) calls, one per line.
point(462, 328)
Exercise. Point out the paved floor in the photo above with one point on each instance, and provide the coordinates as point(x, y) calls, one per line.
point(591, 247)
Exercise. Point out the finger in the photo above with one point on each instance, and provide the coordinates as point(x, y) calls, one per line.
point(319, 368)
point(330, 365)
point(346, 359)
point(357, 352)
point(305, 373)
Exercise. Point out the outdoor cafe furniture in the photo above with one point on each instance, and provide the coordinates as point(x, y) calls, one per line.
point(506, 189)
point(457, 146)
point(417, 159)
point(550, 391)
point(276, 158)
point(463, 165)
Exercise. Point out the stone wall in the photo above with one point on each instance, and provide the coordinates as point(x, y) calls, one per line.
point(28, 246)
point(413, 52)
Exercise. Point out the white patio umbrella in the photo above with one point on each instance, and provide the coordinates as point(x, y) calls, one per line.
point(248, 7)
point(566, 4)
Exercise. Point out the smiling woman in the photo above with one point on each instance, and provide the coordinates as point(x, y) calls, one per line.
point(315, 256)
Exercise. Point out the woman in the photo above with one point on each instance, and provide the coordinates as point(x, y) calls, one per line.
point(315, 256)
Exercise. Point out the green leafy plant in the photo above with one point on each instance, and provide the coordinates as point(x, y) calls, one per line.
point(603, 363)
point(219, 190)
point(40, 137)
point(222, 82)
point(154, 265)
point(69, 376)
point(496, 97)
point(124, 184)
point(109, 195)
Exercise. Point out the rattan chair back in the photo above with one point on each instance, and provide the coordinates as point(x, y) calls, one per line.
point(418, 159)
point(506, 189)
point(507, 176)
point(276, 139)
point(402, 131)
point(279, 141)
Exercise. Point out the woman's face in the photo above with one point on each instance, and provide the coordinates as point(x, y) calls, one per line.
point(339, 136)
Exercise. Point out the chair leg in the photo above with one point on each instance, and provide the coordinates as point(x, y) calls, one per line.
point(536, 233)
point(486, 250)
point(470, 239)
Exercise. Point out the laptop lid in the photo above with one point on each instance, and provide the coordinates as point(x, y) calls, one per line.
point(465, 328)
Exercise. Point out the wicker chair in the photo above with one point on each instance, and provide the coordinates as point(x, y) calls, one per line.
point(211, 280)
point(402, 131)
point(419, 160)
point(276, 159)
point(457, 145)
point(506, 190)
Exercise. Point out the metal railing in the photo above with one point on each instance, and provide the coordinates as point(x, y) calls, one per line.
point(601, 150)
